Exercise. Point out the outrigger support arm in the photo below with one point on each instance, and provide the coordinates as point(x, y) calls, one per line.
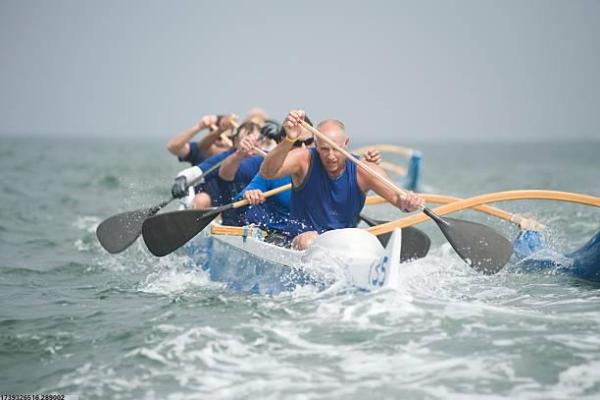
point(523, 222)
point(477, 202)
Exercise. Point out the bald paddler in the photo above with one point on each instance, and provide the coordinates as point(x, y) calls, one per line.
point(328, 189)
point(273, 213)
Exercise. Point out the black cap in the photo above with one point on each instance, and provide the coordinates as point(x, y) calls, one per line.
point(272, 130)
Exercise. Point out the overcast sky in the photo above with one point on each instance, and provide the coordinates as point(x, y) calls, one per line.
point(425, 70)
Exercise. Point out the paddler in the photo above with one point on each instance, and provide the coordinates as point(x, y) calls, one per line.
point(328, 189)
point(273, 214)
point(258, 116)
point(195, 152)
point(241, 166)
point(213, 190)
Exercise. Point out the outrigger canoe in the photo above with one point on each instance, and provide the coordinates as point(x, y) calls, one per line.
point(248, 263)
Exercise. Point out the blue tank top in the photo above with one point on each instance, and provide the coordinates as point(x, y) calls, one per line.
point(213, 184)
point(194, 156)
point(247, 169)
point(211, 161)
point(322, 203)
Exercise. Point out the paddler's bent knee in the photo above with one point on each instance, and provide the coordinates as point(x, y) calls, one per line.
point(304, 240)
point(201, 200)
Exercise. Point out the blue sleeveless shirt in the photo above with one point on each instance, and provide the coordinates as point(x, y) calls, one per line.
point(247, 169)
point(322, 203)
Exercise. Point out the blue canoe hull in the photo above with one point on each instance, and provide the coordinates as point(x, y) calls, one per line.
point(251, 274)
point(242, 273)
point(352, 257)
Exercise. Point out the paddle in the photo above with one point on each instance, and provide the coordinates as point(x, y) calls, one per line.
point(386, 165)
point(165, 233)
point(406, 152)
point(415, 243)
point(118, 232)
point(484, 249)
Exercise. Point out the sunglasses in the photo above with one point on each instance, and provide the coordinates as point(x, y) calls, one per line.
point(306, 142)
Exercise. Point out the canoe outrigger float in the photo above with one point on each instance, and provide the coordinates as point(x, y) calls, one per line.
point(533, 254)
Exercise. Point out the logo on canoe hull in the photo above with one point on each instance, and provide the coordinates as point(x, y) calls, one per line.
point(378, 272)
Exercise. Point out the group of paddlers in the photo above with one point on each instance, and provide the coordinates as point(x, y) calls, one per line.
point(235, 161)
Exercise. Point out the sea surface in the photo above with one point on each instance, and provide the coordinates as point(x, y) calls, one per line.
point(76, 320)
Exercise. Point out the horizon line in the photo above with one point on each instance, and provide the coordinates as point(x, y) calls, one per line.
point(154, 138)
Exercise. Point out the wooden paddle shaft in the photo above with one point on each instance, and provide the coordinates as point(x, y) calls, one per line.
point(360, 163)
point(267, 194)
point(390, 148)
point(236, 230)
point(260, 151)
point(488, 198)
point(388, 166)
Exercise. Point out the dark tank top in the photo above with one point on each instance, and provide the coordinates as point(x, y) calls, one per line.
point(322, 203)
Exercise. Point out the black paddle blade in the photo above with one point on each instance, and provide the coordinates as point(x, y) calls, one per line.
point(480, 246)
point(415, 243)
point(118, 232)
point(165, 233)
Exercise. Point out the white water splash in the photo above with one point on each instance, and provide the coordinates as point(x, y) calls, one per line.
point(171, 281)
point(88, 223)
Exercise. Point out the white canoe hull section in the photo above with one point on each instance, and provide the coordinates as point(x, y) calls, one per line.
point(352, 256)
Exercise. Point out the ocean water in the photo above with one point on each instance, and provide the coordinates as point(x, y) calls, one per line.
point(77, 320)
